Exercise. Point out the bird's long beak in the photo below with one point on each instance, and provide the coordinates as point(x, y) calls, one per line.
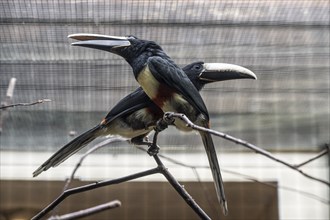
point(214, 72)
point(98, 41)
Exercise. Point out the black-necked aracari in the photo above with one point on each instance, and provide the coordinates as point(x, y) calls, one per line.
point(165, 84)
point(135, 115)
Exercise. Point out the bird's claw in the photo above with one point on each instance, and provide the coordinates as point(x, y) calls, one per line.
point(161, 125)
point(153, 150)
point(168, 118)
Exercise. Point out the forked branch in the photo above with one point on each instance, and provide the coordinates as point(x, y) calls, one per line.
point(161, 169)
point(169, 116)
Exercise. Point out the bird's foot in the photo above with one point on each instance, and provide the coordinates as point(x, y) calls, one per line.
point(164, 122)
point(161, 125)
point(168, 118)
point(153, 149)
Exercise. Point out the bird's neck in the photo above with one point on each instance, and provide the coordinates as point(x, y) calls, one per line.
point(137, 65)
point(139, 62)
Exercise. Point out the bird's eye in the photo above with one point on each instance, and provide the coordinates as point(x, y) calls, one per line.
point(197, 67)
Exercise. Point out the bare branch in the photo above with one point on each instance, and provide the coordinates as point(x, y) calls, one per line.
point(324, 152)
point(159, 169)
point(92, 186)
point(304, 193)
point(93, 149)
point(244, 176)
point(88, 212)
point(180, 189)
point(25, 104)
point(170, 115)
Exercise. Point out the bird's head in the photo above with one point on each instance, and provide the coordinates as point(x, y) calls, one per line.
point(131, 48)
point(201, 73)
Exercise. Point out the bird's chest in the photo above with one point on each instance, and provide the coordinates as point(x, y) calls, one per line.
point(148, 82)
point(159, 93)
point(165, 97)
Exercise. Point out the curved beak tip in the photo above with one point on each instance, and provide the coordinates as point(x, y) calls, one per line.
point(251, 75)
point(223, 71)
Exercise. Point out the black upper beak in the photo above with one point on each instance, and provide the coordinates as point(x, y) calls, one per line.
point(214, 72)
point(101, 42)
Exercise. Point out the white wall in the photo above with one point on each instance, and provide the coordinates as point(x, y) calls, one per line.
point(292, 205)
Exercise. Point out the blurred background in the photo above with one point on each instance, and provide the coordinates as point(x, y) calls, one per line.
point(286, 111)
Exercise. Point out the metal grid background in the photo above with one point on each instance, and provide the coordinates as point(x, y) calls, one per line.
point(286, 43)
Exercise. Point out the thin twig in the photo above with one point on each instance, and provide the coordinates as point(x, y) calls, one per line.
point(88, 212)
point(205, 191)
point(93, 149)
point(92, 186)
point(163, 170)
point(244, 176)
point(25, 104)
point(159, 169)
point(180, 189)
point(304, 193)
point(324, 152)
point(256, 149)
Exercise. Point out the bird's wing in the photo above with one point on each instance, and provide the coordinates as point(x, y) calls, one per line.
point(174, 77)
point(131, 103)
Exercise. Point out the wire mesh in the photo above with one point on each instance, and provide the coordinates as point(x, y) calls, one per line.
point(285, 43)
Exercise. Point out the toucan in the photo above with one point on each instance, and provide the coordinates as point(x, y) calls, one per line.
point(164, 86)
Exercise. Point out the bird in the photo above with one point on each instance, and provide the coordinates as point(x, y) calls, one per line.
point(166, 84)
point(135, 116)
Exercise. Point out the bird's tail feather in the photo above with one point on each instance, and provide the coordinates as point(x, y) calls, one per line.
point(69, 149)
point(215, 168)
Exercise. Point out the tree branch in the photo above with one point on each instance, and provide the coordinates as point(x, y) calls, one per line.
point(244, 176)
point(88, 212)
point(180, 189)
point(25, 104)
point(159, 169)
point(304, 193)
point(92, 186)
point(93, 149)
point(168, 116)
point(323, 152)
